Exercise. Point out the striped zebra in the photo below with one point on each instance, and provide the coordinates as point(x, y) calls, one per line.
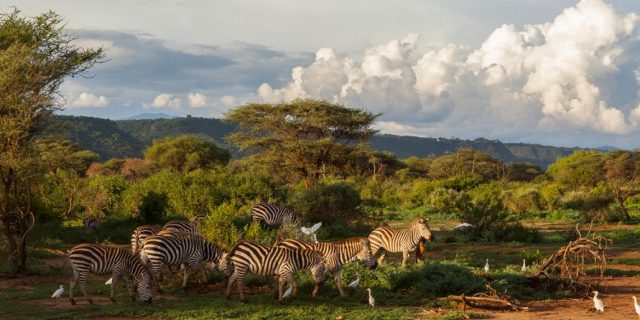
point(181, 226)
point(274, 261)
point(182, 249)
point(274, 215)
point(140, 233)
point(119, 262)
point(399, 240)
point(336, 254)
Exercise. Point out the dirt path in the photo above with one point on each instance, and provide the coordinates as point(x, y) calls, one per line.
point(616, 297)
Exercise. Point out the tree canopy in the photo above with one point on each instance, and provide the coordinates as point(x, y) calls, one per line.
point(186, 153)
point(301, 139)
point(36, 54)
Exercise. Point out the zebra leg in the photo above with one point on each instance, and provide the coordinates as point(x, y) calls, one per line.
point(72, 284)
point(156, 275)
point(241, 285)
point(83, 286)
point(185, 278)
point(294, 286)
point(281, 283)
point(382, 256)
point(276, 281)
point(336, 277)
point(405, 257)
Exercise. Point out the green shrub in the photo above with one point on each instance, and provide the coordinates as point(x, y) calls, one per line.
point(153, 207)
point(333, 202)
point(446, 200)
point(218, 226)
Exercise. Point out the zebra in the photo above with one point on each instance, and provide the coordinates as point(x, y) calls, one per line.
point(182, 249)
point(98, 259)
point(273, 261)
point(181, 226)
point(141, 233)
point(274, 215)
point(336, 254)
point(399, 240)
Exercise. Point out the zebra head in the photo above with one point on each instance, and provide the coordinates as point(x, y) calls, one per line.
point(144, 286)
point(366, 256)
point(420, 227)
point(224, 265)
point(317, 269)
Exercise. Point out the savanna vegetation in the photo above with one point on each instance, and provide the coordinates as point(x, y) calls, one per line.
point(314, 157)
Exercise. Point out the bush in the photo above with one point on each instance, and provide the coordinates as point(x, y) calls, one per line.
point(446, 200)
point(218, 226)
point(153, 207)
point(523, 200)
point(327, 202)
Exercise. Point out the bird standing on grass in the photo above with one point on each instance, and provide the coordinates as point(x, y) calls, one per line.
point(372, 301)
point(58, 293)
point(597, 303)
point(287, 293)
point(636, 306)
point(354, 284)
point(486, 266)
point(524, 265)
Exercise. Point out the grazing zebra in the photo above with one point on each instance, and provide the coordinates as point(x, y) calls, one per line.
point(181, 226)
point(274, 215)
point(336, 254)
point(182, 249)
point(273, 261)
point(141, 233)
point(119, 262)
point(399, 240)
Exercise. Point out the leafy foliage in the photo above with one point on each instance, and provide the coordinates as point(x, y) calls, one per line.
point(186, 153)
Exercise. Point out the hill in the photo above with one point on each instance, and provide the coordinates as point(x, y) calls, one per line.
point(127, 138)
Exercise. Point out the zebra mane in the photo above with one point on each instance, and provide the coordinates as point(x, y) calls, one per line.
point(349, 240)
point(416, 221)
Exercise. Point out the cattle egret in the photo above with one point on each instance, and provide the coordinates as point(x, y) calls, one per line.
point(464, 225)
point(372, 301)
point(597, 303)
point(287, 293)
point(524, 265)
point(109, 281)
point(58, 293)
point(355, 282)
point(311, 230)
point(486, 266)
point(636, 306)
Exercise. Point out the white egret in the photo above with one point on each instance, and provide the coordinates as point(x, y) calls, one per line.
point(464, 225)
point(597, 303)
point(287, 293)
point(486, 266)
point(636, 306)
point(311, 230)
point(355, 282)
point(109, 281)
point(524, 265)
point(372, 301)
point(58, 293)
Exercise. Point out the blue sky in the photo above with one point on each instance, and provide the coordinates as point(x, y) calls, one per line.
point(552, 72)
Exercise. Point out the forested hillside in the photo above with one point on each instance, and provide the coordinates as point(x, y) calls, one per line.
point(127, 138)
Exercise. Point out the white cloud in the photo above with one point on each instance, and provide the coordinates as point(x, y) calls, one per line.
point(228, 101)
point(197, 100)
point(559, 76)
point(87, 100)
point(165, 100)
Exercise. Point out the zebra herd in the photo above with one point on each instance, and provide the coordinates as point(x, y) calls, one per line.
point(178, 243)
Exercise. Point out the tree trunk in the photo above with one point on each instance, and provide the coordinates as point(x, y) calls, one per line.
point(621, 200)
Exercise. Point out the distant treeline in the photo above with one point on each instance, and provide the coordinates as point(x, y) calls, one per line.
point(127, 138)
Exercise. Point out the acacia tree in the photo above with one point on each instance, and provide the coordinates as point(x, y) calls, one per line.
point(36, 54)
point(622, 170)
point(186, 153)
point(301, 139)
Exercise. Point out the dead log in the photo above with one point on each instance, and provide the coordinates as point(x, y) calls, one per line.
point(486, 302)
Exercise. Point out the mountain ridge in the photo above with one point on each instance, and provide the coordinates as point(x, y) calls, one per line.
point(128, 138)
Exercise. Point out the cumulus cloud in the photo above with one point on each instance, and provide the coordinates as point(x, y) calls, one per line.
point(561, 76)
point(87, 100)
point(228, 101)
point(165, 100)
point(197, 100)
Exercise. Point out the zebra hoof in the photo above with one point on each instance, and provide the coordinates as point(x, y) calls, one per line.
point(73, 301)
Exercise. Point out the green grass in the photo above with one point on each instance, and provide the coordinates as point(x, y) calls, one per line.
point(19, 303)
